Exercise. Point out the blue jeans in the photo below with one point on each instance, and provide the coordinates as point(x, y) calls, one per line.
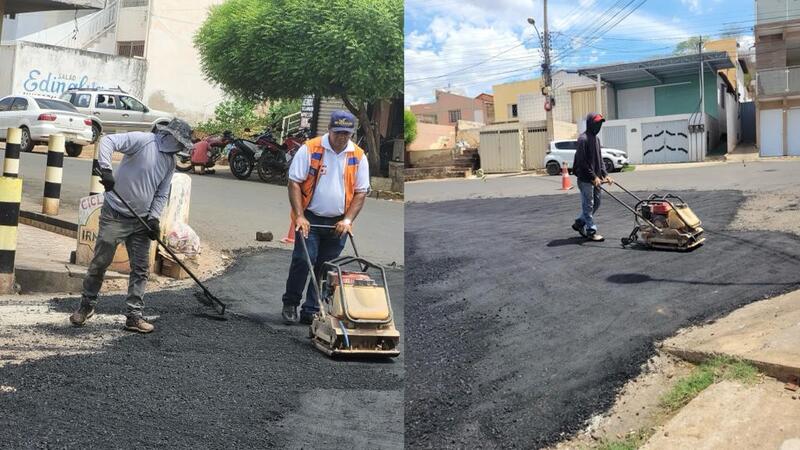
point(590, 203)
point(323, 246)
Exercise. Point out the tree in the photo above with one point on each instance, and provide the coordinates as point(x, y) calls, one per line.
point(278, 49)
point(689, 46)
point(409, 127)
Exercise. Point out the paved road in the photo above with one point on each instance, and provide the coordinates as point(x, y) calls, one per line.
point(227, 212)
point(761, 175)
point(519, 330)
point(250, 382)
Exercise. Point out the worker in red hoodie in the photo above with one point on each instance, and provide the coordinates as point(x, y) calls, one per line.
point(591, 172)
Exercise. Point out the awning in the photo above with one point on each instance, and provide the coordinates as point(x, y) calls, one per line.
point(658, 69)
point(27, 6)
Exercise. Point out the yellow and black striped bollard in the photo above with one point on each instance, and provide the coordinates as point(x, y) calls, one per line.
point(94, 185)
point(10, 198)
point(53, 175)
point(11, 162)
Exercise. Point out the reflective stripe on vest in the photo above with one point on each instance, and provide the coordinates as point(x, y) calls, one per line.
point(317, 152)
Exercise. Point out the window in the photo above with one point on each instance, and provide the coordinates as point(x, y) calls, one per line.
point(130, 103)
point(5, 104)
point(513, 110)
point(130, 48)
point(83, 100)
point(106, 101)
point(567, 145)
point(455, 115)
point(57, 105)
point(20, 104)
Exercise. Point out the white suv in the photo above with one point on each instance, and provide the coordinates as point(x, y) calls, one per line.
point(115, 111)
point(564, 150)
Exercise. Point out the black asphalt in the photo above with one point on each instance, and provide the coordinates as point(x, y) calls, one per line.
point(249, 382)
point(519, 330)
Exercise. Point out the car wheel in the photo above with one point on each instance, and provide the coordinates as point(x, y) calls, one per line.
point(553, 168)
point(95, 132)
point(609, 165)
point(73, 149)
point(26, 144)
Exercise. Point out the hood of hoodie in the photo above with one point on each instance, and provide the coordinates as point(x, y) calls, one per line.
point(592, 127)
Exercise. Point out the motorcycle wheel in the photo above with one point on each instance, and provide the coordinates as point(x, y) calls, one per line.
point(268, 169)
point(241, 165)
point(183, 163)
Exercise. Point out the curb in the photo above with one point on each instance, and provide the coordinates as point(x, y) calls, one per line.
point(779, 371)
point(48, 223)
point(68, 279)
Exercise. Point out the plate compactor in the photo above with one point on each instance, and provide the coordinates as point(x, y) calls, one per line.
point(662, 222)
point(355, 315)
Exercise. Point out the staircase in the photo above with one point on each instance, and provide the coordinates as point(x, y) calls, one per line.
point(92, 28)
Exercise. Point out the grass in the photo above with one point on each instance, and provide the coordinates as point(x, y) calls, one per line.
point(629, 168)
point(706, 374)
point(703, 376)
point(631, 442)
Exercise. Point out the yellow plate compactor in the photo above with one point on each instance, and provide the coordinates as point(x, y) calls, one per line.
point(355, 315)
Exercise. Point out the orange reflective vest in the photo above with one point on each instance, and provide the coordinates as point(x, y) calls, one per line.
point(317, 152)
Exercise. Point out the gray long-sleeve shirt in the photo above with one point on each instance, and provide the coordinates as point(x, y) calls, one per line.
point(144, 175)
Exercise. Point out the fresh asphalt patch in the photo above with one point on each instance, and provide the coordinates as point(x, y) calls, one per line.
point(519, 330)
point(248, 382)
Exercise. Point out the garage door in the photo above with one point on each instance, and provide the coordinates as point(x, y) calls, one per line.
point(665, 142)
point(793, 121)
point(771, 132)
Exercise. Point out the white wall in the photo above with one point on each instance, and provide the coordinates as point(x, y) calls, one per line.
point(635, 103)
point(132, 25)
point(48, 71)
point(175, 82)
point(30, 23)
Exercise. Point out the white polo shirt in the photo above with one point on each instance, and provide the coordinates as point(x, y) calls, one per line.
point(328, 199)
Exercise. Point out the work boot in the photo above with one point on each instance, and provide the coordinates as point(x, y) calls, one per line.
point(578, 226)
point(594, 236)
point(84, 312)
point(210, 171)
point(306, 317)
point(289, 314)
point(137, 323)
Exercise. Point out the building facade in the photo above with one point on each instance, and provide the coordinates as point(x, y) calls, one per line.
point(777, 36)
point(449, 108)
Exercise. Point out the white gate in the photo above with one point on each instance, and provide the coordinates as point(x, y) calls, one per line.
point(665, 142)
point(793, 125)
point(771, 132)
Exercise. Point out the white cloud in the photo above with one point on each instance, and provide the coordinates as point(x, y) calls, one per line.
point(455, 47)
point(694, 6)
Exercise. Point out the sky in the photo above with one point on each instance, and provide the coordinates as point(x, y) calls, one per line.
point(470, 45)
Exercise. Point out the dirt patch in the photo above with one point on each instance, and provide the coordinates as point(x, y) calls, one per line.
point(636, 407)
point(770, 211)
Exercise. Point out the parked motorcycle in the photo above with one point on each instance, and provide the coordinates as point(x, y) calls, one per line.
point(273, 164)
point(205, 153)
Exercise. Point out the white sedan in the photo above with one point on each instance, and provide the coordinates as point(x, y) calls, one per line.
point(39, 117)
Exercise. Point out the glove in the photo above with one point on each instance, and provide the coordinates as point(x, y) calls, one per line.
point(107, 179)
point(155, 228)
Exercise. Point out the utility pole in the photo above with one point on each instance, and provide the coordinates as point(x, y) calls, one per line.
point(702, 82)
point(547, 90)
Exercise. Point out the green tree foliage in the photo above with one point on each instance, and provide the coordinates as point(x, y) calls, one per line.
point(237, 115)
point(271, 49)
point(689, 46)
point(409, 127)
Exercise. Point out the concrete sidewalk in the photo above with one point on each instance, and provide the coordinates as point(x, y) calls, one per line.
point(728, 416)
point(765, 333)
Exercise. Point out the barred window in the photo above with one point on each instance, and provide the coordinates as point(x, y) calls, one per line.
point(130, 48)
point(455, 115)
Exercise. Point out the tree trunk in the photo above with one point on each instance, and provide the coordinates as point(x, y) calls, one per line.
point(370, 132)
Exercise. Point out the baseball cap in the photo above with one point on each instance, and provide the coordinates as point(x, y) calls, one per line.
point(343, 121)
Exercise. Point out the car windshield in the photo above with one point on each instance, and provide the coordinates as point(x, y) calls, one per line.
point(58, 105)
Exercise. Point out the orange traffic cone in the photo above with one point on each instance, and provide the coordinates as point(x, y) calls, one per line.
point(566, 184)
point(289, 238)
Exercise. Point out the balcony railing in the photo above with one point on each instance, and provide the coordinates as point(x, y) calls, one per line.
point(773, 11)
point(778, 82)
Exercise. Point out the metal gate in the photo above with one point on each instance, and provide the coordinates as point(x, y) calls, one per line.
point(666, 142)
point(771, 132)
point(748, 111)
point(500, 151)
point(535, 147)
point(614, 137)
